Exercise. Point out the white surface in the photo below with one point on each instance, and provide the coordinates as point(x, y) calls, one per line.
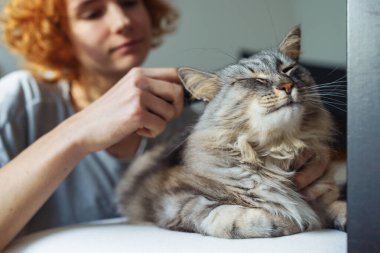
point(111, 236)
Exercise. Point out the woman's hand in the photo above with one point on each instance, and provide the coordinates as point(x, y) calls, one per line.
point(142, 102)
point(308, 171)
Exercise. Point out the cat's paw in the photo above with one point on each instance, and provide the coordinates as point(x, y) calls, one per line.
point(340, 222)
point(338, 214)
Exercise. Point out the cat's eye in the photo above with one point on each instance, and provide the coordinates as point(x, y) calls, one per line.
point(288, 68)
point(261, 80)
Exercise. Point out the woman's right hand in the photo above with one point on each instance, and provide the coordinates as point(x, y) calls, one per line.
point(143, 101)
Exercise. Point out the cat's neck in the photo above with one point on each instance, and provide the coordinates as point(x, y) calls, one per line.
point(279, 151)
point(228, 150)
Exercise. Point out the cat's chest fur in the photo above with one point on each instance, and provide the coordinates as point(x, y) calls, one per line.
point(245, 169)
point(261, 185)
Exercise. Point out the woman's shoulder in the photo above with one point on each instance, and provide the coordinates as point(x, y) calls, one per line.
point(13, 82)
point(22, 86)
point(18, 75)
point(19, 85)
point(21, 92)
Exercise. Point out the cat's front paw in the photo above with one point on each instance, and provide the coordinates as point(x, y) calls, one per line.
point(340, 221)
point(338, 214)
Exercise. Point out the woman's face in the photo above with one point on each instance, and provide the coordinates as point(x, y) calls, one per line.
point(109, 36)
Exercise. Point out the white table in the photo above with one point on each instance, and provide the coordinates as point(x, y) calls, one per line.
point(116, 236)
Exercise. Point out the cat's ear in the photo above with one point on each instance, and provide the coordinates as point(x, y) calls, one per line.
point(291, 45)
point(201, 85)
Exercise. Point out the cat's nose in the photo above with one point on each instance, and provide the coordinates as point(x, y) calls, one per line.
point(287, 87)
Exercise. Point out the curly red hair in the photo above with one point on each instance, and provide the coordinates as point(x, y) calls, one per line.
point(37, 30)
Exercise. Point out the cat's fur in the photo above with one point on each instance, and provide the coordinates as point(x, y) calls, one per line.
point(233, 175)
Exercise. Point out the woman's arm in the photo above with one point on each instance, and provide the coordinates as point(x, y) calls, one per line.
point(30, 179)
point(142, 102)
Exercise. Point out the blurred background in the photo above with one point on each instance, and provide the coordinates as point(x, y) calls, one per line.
point(211, 30)
point(214, 33)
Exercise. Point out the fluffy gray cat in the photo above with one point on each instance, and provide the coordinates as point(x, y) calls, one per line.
point(233, 175)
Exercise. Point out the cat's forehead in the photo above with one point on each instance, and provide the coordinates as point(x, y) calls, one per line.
point(263, 63)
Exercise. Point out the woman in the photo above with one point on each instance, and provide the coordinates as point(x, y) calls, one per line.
point(72, 122)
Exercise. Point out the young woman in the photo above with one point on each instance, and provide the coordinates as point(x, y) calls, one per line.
point(70, 124)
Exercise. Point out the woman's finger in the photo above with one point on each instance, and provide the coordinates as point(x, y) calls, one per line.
point(170, 92)
point(163, 89)
point(302, 160)
point(152, 125)
point(159, 107)
point(164, 74)
point(309, 173)
point(163, 82)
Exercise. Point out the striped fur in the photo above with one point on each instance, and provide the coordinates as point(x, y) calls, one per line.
point(232, 176)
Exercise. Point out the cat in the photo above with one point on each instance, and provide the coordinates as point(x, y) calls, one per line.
point(232, 176)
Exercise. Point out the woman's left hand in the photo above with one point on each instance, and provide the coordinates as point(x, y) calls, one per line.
point(309, 170)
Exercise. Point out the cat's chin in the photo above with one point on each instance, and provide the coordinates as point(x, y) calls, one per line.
point(288, 105)
point(284, 120)
point(289, 112)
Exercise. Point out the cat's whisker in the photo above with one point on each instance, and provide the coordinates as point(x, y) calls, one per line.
point(328, 100)
point(338, 108)
point(332, 85)
point(333, 70)
point(320, 107)
point(329, 84)
point(334, 105)
point(339, 97)
point(329, 95)
point(337, 102)
point(340, 87)
point(333, 89)
point(341, 78)
point(335, 96)
point(325, 92)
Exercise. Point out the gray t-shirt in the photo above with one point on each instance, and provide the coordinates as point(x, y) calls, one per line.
point(28, 110)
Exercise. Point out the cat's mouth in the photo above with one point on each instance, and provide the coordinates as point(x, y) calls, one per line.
point(289, 103)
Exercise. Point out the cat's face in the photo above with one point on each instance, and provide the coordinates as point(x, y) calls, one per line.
point(270, 80)
point(271, 87)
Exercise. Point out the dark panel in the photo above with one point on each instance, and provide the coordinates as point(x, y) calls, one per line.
point(334, 95)
point(363, 125)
